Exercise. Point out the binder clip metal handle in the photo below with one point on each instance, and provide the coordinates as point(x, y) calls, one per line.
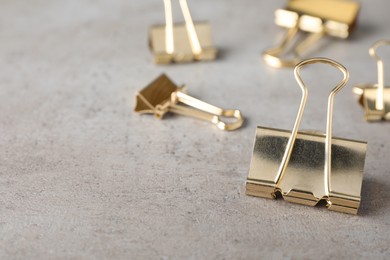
point(375, 97)
point(204, 111)
point(181, 42)
point(329, 120)
point(169, 38)
point(381, 77)
point(336, 18)
point(273, 56)
point(163, 96)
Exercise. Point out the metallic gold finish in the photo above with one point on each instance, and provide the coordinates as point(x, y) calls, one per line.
point(375, 98)
point(318, 18)
point(163, 96)
point(306, 167)
point(181, 42)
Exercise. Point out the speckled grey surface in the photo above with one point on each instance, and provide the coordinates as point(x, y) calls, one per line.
point(83, 177)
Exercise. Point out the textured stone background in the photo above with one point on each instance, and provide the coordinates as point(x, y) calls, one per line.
point(82, 176)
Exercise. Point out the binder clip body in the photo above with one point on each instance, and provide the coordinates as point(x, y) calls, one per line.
point(308, 167)
point(163, 96)
point(375, 98)
point(181, 42)
point(317, 18)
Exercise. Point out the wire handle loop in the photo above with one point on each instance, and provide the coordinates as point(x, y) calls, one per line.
point(202, 110)
point(273, 57)
point(328, 139)
point(379, 105)
point(190, 27)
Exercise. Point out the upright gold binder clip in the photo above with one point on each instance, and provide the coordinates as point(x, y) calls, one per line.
point(375, 98)
point(181, 42)
point(307, 167)
point(163, 96)
point(318, 18)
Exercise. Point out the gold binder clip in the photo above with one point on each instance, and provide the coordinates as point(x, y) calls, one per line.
point(307, 167)
point(335, 18)
point(163, 96)
point(375, 98)
point(181, 42)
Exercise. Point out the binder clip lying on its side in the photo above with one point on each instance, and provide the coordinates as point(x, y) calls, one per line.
point(375, 98)
point(163, 96)
point(306, 167)
point(181, 42)
point(335, 18)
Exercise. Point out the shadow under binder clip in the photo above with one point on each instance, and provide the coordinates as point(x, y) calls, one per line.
point(163, 96)
point(181, 42)
point(318, 18)
point(306, 167)
point(375, 98)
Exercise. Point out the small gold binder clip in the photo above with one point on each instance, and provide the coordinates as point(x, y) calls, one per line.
point(375, 98)
point(163, 96)
point(317, 18)
point(307, 167)
point(181, 42)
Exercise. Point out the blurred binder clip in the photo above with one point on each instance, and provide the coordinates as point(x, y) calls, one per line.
point(375, 98)
point(181, 42)
point(163, 96)
point(317, 18)
point(306, 167)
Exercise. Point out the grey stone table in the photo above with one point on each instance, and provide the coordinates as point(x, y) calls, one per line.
point(82, 176)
